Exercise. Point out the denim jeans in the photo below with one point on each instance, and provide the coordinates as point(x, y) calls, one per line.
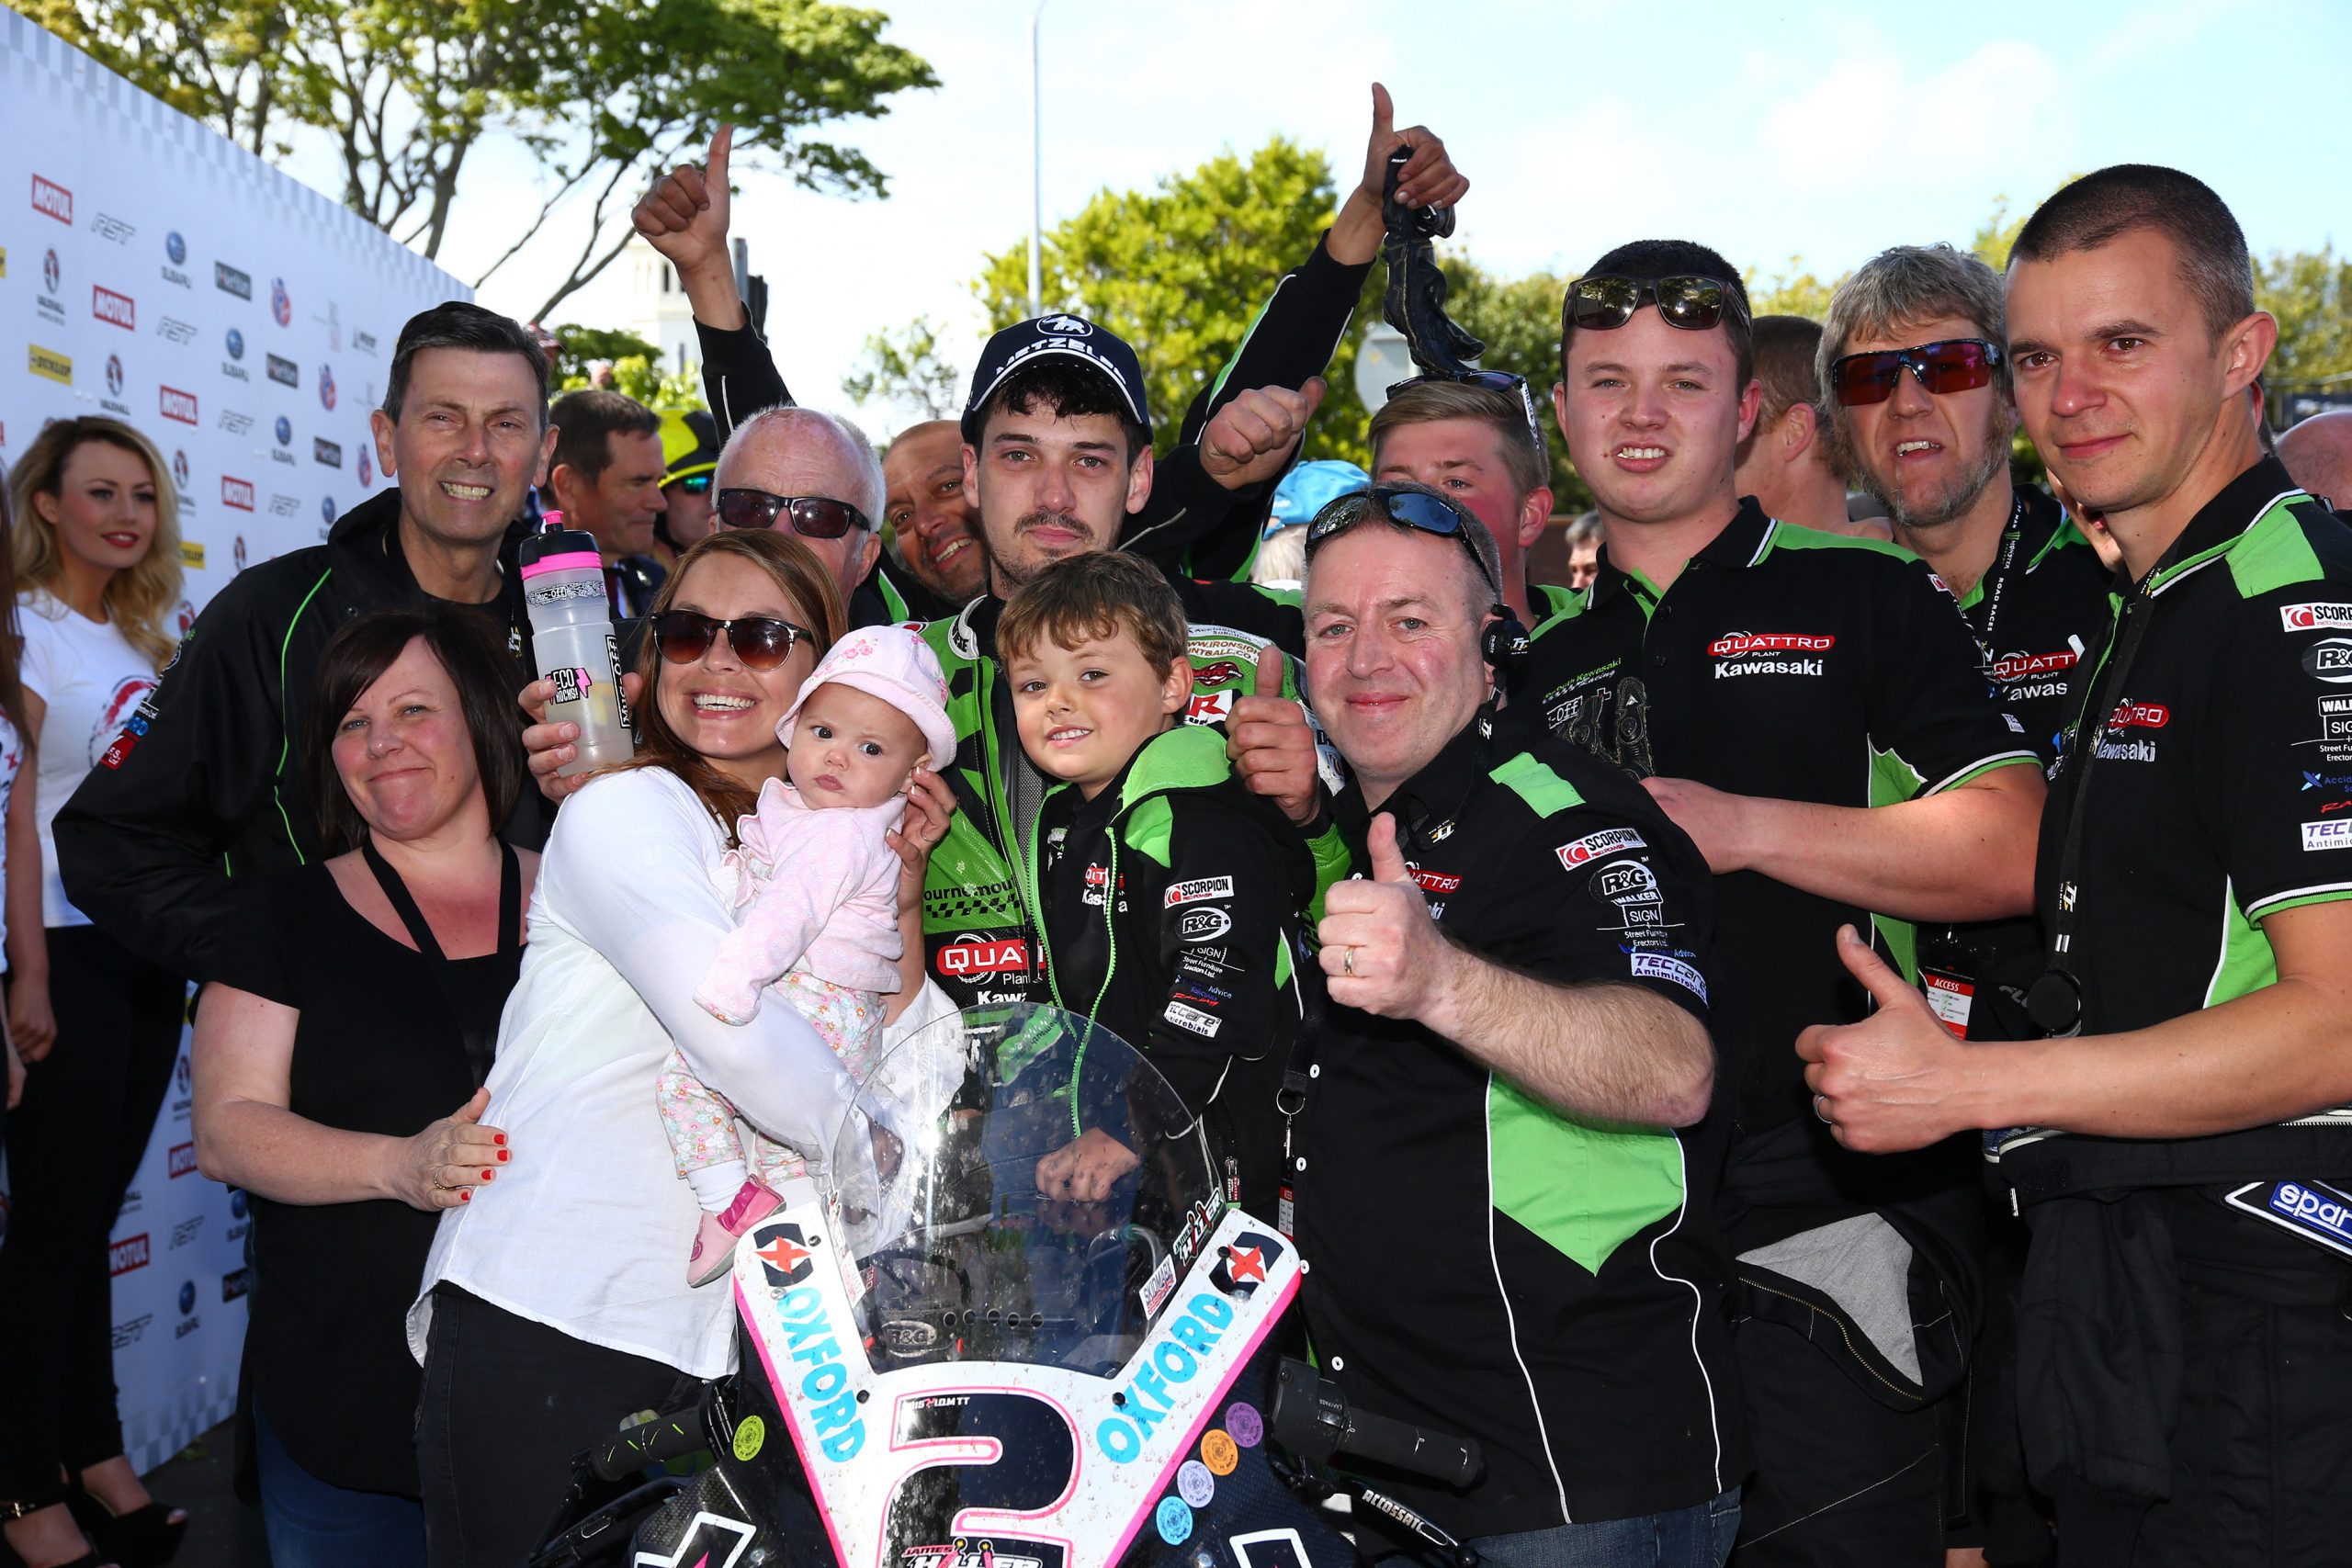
point(316, 1524)
point(1696, 1537)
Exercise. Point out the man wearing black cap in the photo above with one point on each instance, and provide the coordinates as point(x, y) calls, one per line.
point(1057, 450)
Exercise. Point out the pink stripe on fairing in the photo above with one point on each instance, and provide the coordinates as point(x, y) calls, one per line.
point(578, 560)
point(784, 1402)
point(1159, 1487)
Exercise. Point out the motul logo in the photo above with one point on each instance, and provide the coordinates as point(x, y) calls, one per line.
point(983, 957)
point(180, 1160)
point(1734, 643)
point(178, 404)
point(108, 306)
point(128, 1253)
point(2140, 716)
point(238, 494)
point(53, 199)
point(2018, 666)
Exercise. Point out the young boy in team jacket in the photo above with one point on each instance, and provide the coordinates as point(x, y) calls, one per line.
point(1171, 897)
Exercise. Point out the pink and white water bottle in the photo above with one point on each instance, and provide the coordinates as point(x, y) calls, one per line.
point(573, 637)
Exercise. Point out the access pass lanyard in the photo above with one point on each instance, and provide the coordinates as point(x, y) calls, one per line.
point(479, 1045)
point(1997, 584)
point(2055, 1001)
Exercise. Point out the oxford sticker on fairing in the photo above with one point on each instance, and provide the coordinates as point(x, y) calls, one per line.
point(993, 1464)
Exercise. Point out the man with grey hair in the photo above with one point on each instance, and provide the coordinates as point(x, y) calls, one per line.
point(2318, 453)
point(815, 474)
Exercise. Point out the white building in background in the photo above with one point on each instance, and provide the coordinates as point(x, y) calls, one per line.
point(658, 311)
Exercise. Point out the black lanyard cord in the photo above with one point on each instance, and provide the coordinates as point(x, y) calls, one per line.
point(481, 1045)
point(1996, 582)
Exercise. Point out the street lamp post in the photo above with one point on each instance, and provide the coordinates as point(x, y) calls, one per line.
point(1036, 172)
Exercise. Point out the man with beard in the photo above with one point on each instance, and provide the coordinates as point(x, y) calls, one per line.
point(1057, 451)
point(1810, 709)
point(1917, 377)
point(2179, 1142)
point(149, 842)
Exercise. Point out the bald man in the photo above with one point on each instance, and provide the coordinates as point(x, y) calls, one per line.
point(2318, 453)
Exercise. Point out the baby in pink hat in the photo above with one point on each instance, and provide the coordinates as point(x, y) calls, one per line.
point(819, 883)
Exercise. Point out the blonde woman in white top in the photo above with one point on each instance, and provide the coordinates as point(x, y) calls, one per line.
point(95, 549)
point(552, 1304)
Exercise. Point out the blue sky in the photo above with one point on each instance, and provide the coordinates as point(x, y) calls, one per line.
point(1767, 130)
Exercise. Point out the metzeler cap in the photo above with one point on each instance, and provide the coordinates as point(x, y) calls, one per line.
point(1025, 343)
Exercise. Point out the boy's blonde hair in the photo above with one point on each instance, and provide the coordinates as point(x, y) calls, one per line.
point(1103, 594)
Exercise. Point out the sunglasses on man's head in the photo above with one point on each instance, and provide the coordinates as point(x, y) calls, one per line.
point(813, 517)
point(1493, 381)
point(1949, 365)
point(1606, 300)
point(760, 642)
point(1407, 509)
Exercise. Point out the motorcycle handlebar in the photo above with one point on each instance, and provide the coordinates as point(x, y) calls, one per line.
point(1312, 1418)
point(665, 1437)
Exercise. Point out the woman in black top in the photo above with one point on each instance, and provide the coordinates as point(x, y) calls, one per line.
point(354, 1001)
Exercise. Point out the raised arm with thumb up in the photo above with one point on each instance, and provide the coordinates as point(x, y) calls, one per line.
point(1380, 951)
point(1270, 744)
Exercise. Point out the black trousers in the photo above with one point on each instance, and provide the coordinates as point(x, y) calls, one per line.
point(1841, 1481)
point(507, 1403)
point(74, 1144)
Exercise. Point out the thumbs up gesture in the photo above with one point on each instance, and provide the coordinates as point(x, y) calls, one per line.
point(1270, 747)
point(684, 217)
point(1898, 1079)
point(1380, 951)
point(1250, 438)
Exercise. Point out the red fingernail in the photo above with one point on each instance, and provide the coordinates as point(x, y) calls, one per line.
point(466, 1197)
point(500, 1140)
point(487, 1174)
point(501, 1154)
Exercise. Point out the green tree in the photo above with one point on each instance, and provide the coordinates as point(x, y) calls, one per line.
point(1519, 321)
point(604, 93)
point(904, 369)
point(577, 347)
point(1794, 292)
point(2311, 293)
point(1181, 270)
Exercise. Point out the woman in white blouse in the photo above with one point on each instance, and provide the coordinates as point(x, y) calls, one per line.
point(96, 551)
point(552, 1305)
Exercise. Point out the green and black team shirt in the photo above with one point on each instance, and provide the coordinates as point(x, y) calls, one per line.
point(2042, 621)
point(1482, 1264)
point(2219, 777)
point(1797, 665)
point(2040, 614)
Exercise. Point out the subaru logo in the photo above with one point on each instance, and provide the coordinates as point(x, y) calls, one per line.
point(326, 386)
point(113, 374)
point(175, 247)
point(284, 430)
point(281, 304)
point(237, 1203)
point(236, 343)
point(187, 1297)
point(326, 510)
point(366, 468)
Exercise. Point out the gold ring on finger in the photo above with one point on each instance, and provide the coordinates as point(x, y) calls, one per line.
point(1347, 961)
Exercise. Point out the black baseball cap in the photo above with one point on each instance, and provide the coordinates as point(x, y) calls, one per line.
point(1025, 343)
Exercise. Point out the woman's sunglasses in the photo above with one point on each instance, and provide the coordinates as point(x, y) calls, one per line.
point(813, 517)
point(1951, 364)
point(1407, 509)
point(760, 643)
point(1606, 300)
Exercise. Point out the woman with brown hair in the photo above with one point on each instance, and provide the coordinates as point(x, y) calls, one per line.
point(352, 1002)
point(95, 553)
point(554, 1305)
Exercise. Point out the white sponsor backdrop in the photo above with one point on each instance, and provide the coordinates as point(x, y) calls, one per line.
point(153, 271)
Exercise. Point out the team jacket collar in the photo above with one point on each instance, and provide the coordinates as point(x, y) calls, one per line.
point(1434, 797)
point(2221, 522)
point(973, 634)
point(1741, 543)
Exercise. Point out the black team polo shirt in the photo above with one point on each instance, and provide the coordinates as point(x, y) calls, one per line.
point(1789, 663)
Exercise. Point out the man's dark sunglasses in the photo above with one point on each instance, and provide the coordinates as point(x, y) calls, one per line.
point(760, 642)
point(693, 484)
point(1606, 300)
point(1949, 365)
point(1407, 509)
point(813, 517)
point(1493, 381)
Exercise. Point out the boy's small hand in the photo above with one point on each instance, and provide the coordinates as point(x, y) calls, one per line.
point(1272, 747)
